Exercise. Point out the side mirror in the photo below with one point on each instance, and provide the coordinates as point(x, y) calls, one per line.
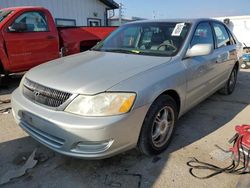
point(199, 50)
point(18, 27)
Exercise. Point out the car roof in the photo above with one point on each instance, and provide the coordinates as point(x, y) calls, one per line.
point(179, 20)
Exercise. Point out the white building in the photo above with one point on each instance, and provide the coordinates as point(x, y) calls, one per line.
point(240, 25)
point(71, 12)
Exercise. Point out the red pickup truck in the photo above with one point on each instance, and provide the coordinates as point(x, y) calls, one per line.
point(30, 37)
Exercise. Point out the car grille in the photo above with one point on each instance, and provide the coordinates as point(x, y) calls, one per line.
point(42, 136)
point(44, 95)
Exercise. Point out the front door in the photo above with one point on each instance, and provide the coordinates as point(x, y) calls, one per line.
point(201, 70)
point(34, 45)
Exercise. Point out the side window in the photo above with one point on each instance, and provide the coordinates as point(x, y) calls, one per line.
point(232, 39)
point(34, 21)
point(203, 34)
point(222, 37)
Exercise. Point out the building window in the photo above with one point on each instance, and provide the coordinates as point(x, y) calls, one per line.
point(94, 22)
point(65, 22)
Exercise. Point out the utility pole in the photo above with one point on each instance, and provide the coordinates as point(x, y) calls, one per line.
point(120, 13)
point(154, 14)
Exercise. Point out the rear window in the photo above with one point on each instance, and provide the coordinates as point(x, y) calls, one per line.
point(4, 14)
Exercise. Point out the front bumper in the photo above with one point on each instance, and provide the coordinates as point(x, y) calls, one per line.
point(78, 136)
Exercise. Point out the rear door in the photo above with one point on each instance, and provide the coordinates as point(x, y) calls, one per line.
point(35, 45)
point(201, 70)
point(225, 51)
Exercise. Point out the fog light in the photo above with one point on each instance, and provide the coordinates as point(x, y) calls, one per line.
point(87, 147)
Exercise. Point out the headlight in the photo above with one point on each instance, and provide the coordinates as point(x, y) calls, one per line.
point(104, 104)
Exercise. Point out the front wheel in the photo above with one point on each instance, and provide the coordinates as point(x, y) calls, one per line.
point(230, 84)
point(158, 126)
point(4, 80)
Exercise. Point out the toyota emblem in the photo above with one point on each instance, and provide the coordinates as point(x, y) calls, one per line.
point(36, 93)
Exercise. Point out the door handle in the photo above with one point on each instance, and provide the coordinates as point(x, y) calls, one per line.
point(50, 37)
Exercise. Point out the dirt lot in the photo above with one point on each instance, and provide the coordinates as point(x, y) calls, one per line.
point(212, 122)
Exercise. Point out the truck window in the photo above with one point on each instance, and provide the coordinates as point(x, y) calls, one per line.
point(35, 21)
point(4, 14)
point(203, 34)
point(221, 35)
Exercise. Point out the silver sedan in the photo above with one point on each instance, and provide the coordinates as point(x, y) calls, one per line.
point(129, 90)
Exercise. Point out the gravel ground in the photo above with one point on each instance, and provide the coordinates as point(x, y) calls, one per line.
point(211, 122)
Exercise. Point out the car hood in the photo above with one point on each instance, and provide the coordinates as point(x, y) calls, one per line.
point(92, 72)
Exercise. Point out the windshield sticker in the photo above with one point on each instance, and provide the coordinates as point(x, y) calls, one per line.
point(178, 29)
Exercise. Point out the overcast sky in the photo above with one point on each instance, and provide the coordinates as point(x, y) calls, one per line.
point(185, 8)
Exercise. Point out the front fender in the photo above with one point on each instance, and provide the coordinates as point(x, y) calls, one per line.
point(152, 83)
point(3, 56)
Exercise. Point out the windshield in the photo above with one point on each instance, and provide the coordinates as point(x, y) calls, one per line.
point(155, 39)
point(4, 14)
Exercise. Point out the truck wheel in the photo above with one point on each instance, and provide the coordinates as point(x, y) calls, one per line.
point(4, 80)
point(230, 84)
point(1, 80)
point(158, 126)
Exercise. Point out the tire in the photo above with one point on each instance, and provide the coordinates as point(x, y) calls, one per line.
point(243, 66)
point(158, 128)
point(1, 80)
point(4, 81)
point(230, 84)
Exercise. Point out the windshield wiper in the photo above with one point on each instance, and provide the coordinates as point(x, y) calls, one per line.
point(126, 51)
point(154, 54)
point(119, 50)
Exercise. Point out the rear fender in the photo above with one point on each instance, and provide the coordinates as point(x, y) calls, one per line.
point(73, 40)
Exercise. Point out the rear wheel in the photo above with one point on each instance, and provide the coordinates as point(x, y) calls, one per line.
point(158, 126)
point(230, 85)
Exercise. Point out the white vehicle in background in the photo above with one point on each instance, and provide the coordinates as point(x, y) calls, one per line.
point(240, 26)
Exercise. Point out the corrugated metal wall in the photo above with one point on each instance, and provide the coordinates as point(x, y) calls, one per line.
point(67, 9)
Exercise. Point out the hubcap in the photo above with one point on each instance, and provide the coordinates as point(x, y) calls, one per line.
point(162, 126)
point(243, 65)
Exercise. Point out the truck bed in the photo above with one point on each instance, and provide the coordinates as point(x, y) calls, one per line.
point(76, 39)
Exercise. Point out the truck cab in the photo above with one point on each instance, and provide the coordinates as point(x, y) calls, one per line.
point(28, 38)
